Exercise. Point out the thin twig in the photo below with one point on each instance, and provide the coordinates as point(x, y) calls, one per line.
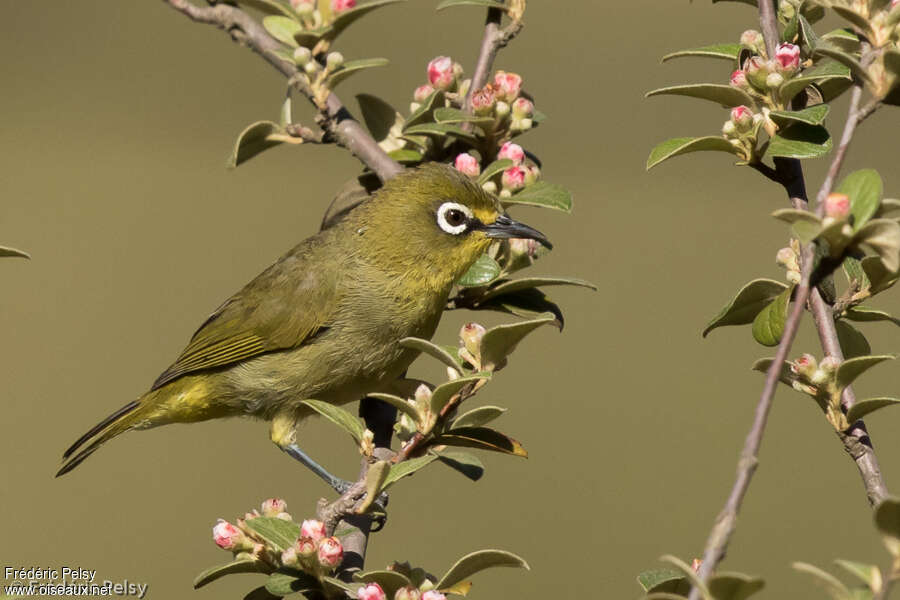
point(493, 40)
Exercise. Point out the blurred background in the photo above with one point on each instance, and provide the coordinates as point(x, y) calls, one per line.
point(117, 119)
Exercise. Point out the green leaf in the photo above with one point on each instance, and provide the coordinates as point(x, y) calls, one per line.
point(888, 205)
point(444, 392)
point(260, 593)
point(806, 226)
point(824, 71)
point(879, 277)
point(354, 66)
point(829, 582)
point(854, 272)
point(768, 326)
point(726, 95)
point(527, 304)
point(808, 34)
point(864, 188)
point(347, 18)
point(482, 272)
point(542, 193)
point(800, 141)
point(869, 405)
point(478, 416)
point(397, 402)
point(887, 520)
point(440, 131)
point(853, 343)
point(734, 586)
point(279, 533)
point(406, 156)
point(785, 375)
point(426, 110)
point(405, 468)
point(864, 313)
point(514, 285)
point(375, 480)
point(256, 138)
point(726, 51)
point(455, 115)
point(500, 341)
point(847, 60)
point(747, 303)
point(270, 7)
point(283, 29)
point(495, 167)
point(246, 565)
point(852, 368)
point(282, 584)
point(390, 581)
point(463, 462)
point(843, 39)
point(883, 236)
point(865, 573)
point(478, 561)
point(481, 438)
point(378, 115)
point(339, 417)
point(663, 580)
point(7, 251)
point(485, 3)
point(814, 115)
point(432, 350)
point(684, 145)
point(689, 573)
point(853, 17)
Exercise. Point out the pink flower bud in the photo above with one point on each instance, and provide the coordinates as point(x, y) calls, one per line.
point(433, 595)
point(483, 101)
point(372, 591)
point(508, 85)
point(311, 528)
point(331, 553)
point(470, 335)
point(774, 81)
point(408, 593)
point(742, 117)
point(289, 557)
point(804, 366)
point(422, 92)
point(440, 72)
point(752, 39)
point(467, 164)
point(511, 151)
point(757, 70)
point(696, 564)
point(339, 6)
point(787, 57)
point(513, 178)
point(837, 206)
point(306, 547)
point(739, 79)
point(227, 536)
point(273, 506)
point(895, 4)
point(522, 108)
point(787, 258)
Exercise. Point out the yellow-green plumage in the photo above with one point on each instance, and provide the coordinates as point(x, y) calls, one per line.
point(325, 320)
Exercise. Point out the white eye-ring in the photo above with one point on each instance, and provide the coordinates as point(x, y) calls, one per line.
point(453, 218)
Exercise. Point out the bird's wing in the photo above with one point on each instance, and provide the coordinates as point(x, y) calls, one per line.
point(284, 306)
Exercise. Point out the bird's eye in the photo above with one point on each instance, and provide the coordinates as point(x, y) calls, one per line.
point(453, 218)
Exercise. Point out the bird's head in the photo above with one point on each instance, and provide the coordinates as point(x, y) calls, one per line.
point(436, 218)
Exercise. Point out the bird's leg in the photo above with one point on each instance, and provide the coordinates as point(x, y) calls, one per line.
point(282, 433)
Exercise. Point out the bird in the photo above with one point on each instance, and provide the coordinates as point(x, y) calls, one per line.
point(325, 320)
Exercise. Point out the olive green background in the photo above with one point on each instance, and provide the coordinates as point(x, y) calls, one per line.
point(117, 118)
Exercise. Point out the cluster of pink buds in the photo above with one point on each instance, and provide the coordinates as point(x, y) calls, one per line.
point(813, 377)
point(313, 552)
point(742, 129)
point(760, 75)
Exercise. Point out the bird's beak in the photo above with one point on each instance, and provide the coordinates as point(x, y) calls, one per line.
point(504, 228)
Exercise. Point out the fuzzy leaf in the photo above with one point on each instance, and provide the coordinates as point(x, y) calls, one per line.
point(864, 188)
point(500, 341)
point(431, 349)
point(663, 580)
point(375, 478)
point(378, 115)
point(260, 593)
point(478, 561)
point(515, 285)
point(7, 251)
point(768, 326)
point(440, 131)
point(444, 392)
point(278, 532)
point(455, 115)
point(887, 520)
point(814, 115)
point(482, 438)
point(542, 193)
point(684, 145)
point(869, 405)
point(853, 17)
point(879, 277)
point(852, 368)
point(734, 586)
point(256, 138)
point(426, 110)
point(853, 343)
point(843, 39)
point(864, 313)
point(527, 304)
point(748, 303)
point(482, 272)
point(484, 3)
point(390, 581)
point(829, 582)
point(785, 375)
point(282, 584)
point(847, 60)
point(247, 565)
point(865, 573)
point(340, 417)
point(725, 51)
point(824, 71)
point(800, 141)
point(397, 402)
point(478, 416)
point(283, 29)
point(405, 468)
point(854, 272)
point(726, 95)
point(806, 226)
point(353, 66)
point(463, 462)
point(495, 167)
point(406, 156)
point(883, 236)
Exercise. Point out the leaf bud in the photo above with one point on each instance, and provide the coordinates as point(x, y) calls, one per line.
point(512, 151)
point(774, 81)
point(334, 60)
point(490, 187)
point(520, 125)
point(313, 529)
point(508, 85)
point(467, 164)
point(331, 553)
point(302, 55)
point(729, 130)
point(371, 591)
point(440, 73)
point(367, 443)
point(837, 206)
point(501, 110)
point(470, 335)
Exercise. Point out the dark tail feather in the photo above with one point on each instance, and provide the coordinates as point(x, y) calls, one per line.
point(96, 430)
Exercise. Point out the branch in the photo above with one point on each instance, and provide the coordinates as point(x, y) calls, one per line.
point(494, 39)
point(335, 119)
